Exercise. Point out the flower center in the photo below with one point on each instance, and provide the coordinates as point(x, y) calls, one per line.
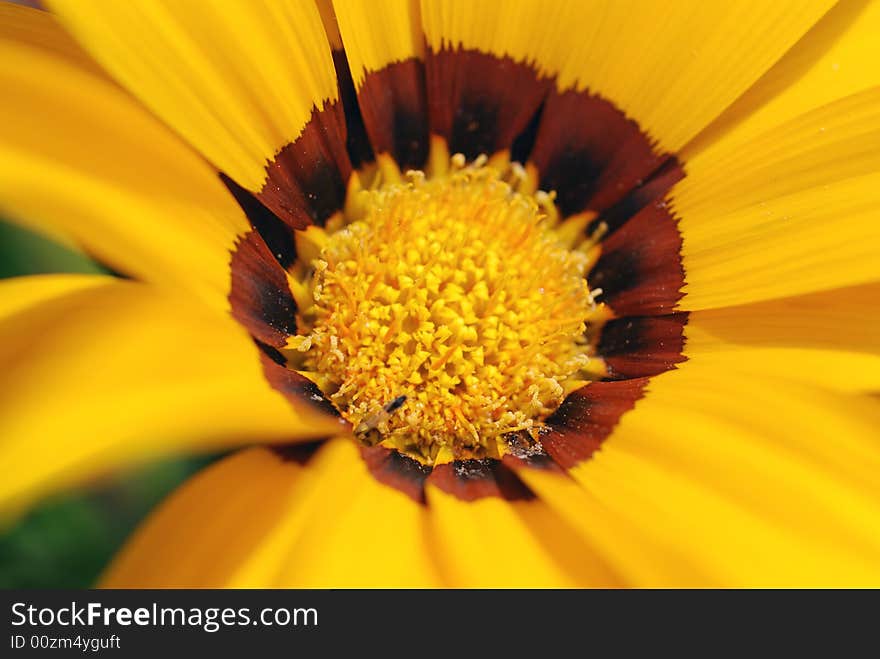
point(448, 316)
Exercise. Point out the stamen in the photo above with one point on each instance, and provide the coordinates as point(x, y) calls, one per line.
point(448, 313)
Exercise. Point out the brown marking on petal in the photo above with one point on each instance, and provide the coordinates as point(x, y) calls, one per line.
point(396, 470)
point(653, 189)
point(275, 233)
point(272, 353)
point(470, 480)
point(480, 102)
point(522, 451)
point(360, 150)
point(640, 270)
point(260, 297)
point(639, 346)
point(589, 152)
point(394, 110)
point(307, 180)
point(586, 418)
point(524, 142)
point(297, 453)
point(294, 386)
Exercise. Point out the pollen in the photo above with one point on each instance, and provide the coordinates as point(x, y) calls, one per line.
point(449, 315)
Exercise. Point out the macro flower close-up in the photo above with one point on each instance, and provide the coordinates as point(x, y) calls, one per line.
point(527, 293)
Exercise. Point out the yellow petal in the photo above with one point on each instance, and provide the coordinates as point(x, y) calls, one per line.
point(83, 162)
point(20, 293)
point(829, 339)
point(359, 533)
point(326, 524)
point(215, 523)
point(832, 61)
point(40, 29)
point(673, 68)
point(492, 543)
point(623, 546)
point(377, 33)
point(792, 211)
point(751, 480)
point(237, 80)
point(105, 374)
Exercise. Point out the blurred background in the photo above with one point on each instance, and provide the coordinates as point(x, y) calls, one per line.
point(67, 540)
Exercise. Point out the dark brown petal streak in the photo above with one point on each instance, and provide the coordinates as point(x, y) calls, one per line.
point(653, 189)
point(469, 480)
point(260, 297)
point(297, 453)
point(396, 470)
point(276, 234)
point(640, 270)
point(524, 452)
point(295, 387)
point(307, 180)
point(394, 110)
point(589, 152)
point(479, 102)
point(586, 418)
point(640, 346)
point(358, 144)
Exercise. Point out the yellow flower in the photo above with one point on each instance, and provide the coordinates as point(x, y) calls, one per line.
point(618, 326)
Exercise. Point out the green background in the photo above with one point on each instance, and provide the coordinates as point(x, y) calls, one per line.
point(66, 541)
